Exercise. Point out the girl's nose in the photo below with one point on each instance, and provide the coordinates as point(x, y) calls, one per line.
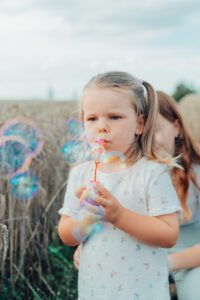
point(102, 130)
point(103, 126)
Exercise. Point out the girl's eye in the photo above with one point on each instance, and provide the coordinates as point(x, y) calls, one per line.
point(116, 117)
point(92, 119)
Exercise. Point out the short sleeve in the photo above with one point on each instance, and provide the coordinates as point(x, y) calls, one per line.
point(71, 202)
point(160, 194)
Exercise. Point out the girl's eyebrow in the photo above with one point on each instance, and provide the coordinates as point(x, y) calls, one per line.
point(109, 112)
point(90, 114)
point(115, 112)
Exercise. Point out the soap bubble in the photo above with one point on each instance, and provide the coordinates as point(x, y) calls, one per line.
point(27, 130)
point(14, 155)
point(75, 127)
point(24, 186)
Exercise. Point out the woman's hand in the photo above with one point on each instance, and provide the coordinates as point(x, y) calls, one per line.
point(76, 257)
point(186, 259)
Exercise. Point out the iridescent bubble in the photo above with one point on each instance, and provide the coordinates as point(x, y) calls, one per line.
point(98, 227)
point(27, 130)
point(89, 193)
point(97, 151)
point(75, 151)
point(24, 186)
point(75, 127)
point(90, 224)
point(112, 157)
point(14, 155)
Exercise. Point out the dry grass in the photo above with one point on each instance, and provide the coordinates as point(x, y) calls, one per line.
point(30, 224)
point(189, 107)
point(3, 244)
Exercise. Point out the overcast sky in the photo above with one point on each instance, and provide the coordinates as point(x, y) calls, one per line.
point(60, 44)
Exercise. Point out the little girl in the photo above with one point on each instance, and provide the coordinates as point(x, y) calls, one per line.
point(126, 260)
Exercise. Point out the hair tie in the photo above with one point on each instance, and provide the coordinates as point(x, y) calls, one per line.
point(144, 89)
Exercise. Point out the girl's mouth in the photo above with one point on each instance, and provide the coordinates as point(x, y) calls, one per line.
point(102, 142)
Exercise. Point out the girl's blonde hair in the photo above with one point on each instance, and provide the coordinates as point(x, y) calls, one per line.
point(145, 102)
point(186, 146)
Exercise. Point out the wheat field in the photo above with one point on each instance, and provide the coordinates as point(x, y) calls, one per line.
point(189, 107)
point(31, 224)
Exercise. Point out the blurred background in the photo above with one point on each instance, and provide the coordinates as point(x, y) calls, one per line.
point(49, 49)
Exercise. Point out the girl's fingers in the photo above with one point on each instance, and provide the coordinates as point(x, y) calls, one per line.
point(79, 191)
point(101, 190)
point(99, 200)
point(94, 209)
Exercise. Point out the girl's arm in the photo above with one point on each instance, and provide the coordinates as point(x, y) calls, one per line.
point(74, 232)
point(161, 231)
point(186, 259)
point(66, 226)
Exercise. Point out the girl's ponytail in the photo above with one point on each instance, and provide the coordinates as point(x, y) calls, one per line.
point(151, 115)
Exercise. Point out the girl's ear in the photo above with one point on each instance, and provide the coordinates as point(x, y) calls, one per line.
point(176, 124)
point(139, 125)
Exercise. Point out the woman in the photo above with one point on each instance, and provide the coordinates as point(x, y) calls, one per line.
point(172, 136)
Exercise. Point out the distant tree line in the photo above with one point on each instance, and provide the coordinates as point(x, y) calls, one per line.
point(183, 89)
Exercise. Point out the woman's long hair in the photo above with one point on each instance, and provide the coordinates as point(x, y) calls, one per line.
point(185, 146)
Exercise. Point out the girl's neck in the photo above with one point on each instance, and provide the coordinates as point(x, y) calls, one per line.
point(113, 167)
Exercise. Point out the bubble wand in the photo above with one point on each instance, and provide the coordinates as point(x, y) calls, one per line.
point(97, 151)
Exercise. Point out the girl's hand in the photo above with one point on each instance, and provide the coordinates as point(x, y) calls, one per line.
point(104, 199)
point(88, 217)
point(80, 191)
point(76, 257)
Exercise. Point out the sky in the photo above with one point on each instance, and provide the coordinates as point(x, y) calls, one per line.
point(51, 48)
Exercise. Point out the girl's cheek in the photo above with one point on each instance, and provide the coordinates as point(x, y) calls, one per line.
point(89, 136)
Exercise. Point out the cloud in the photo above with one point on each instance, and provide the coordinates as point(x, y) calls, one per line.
point(62, 43)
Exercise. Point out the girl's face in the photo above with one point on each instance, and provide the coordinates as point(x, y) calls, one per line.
point(109, 116)
point(165, 134)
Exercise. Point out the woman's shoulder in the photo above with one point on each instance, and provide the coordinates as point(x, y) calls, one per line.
point(196, 168)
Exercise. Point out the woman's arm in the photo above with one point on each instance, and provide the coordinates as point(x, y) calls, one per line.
point(186, 259)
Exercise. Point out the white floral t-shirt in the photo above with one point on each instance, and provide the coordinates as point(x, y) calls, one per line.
point(114, 265)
